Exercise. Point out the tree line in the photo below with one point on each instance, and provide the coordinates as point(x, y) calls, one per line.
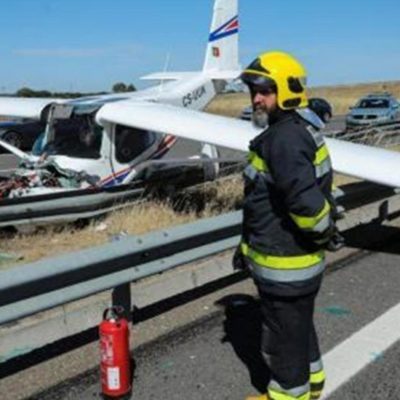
point(118, 87)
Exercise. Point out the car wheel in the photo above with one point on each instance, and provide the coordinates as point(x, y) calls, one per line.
point(326, 117)
point(14, 138)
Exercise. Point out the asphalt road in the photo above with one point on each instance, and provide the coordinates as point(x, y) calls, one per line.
point(380, 380)
point(218, 357)
point(7, 164)
point(183, 148)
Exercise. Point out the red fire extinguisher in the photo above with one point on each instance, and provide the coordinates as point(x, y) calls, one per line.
point(114, 350)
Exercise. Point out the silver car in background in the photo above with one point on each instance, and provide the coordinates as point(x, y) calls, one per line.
point(374, 109)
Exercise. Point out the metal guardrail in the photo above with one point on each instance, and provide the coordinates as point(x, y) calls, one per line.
point(382, 135)
point(35, 287)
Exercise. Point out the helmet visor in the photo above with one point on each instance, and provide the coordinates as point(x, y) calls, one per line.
point(255, 79)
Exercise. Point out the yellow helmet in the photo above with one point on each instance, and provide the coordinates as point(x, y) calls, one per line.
point(282, 72)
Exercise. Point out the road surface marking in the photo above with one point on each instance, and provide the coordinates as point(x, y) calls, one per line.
point(348, 358)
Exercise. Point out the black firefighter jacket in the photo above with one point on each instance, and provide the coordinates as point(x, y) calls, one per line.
point(288, 206)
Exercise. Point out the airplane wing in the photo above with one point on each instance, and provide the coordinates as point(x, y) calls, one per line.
point(168, 76)
point(33, 108)
point(361, 161)
point(21, 107)
point(176, 76)
point(199, 126)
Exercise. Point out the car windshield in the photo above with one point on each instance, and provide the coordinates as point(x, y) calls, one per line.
point(373, 103)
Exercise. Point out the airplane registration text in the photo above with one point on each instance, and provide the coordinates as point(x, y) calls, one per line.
point(193, 96)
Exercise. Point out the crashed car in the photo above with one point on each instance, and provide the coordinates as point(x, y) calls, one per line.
point(374, 109)
point(21, 134)
point(25, 134)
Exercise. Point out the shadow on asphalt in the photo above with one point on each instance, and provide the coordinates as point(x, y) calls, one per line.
point(242, 326)
point(359, 194)
point(374, 237)
point(243, 318)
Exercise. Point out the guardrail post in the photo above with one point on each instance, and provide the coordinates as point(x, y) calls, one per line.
point(121, 296)
point(383, 211)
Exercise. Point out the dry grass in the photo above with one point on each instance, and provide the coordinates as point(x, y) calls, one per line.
point(204, 201)
point(341, 97)
point(230, 105)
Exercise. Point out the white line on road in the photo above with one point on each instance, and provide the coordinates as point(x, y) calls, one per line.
point(361, 349)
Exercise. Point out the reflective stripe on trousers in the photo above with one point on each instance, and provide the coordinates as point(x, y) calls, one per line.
point(276, 392)
point(317, 379)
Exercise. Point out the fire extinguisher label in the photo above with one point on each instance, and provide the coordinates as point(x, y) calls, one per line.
point(106, 349)
point(113, 378)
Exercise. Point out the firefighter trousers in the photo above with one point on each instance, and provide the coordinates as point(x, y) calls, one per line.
point(290, 347)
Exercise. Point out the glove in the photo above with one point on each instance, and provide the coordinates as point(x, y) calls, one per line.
point(336, 242)
point(238, 261)
point(330, 239)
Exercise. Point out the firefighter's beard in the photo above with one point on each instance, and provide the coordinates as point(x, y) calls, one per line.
point(260, 116)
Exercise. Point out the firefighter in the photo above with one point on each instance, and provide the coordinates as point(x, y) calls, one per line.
point(288, 222)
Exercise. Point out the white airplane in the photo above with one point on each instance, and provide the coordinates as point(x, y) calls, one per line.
point(113, 154)
point(360, 161)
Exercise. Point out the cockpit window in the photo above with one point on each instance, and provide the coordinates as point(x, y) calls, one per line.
point(76, 137)
point(130, 143)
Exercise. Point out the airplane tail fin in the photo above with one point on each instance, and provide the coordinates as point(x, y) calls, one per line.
point(222, 56)
point(223, 43)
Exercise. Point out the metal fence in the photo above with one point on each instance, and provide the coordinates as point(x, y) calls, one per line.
point(35, 287)
point(29, 289)
point(383, 135)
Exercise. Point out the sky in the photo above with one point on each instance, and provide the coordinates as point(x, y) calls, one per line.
point(88, 45)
